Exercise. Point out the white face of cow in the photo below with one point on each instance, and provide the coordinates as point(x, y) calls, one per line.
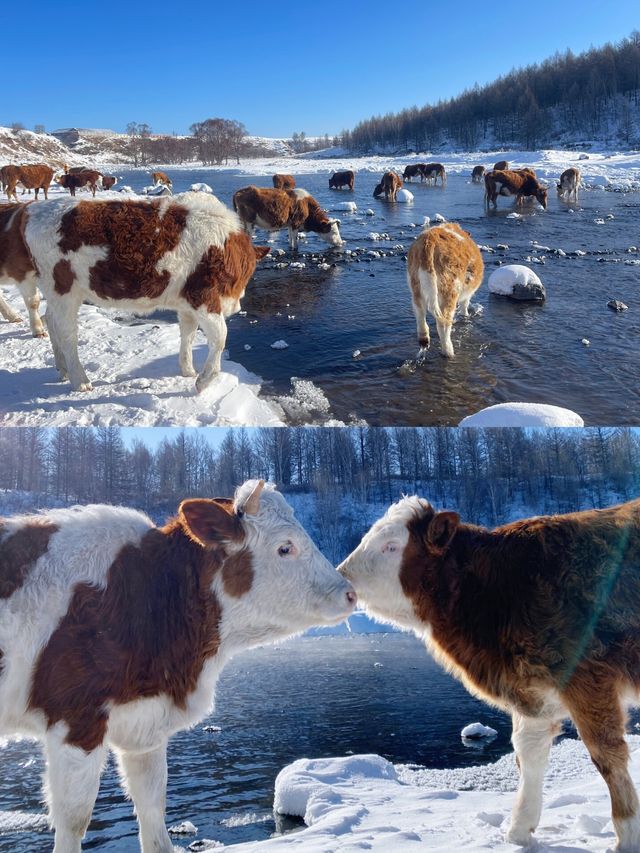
point(332, 236)
point(374, 567)
point(279, 583)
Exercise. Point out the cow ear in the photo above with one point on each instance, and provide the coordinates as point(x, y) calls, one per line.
point(210, 522)
point(441, 530)
point(261, 251)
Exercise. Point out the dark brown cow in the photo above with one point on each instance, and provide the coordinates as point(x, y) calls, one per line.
point(32, 177)
point(540, 617)
point(501, 166)
point(520, 184)
point(338, 180)
point(413, 170)
point(295, 210)
point(433, 171)
point(389, 185)
point(77, 180)
point(478, 174)
point(284, 182)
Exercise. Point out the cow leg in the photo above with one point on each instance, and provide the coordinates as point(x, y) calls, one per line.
point(444, 333)
point(463, 305)
point(215, 330)
point(63, 312)
point(31, 296)
point(419, 309)
point(37, 191)
point(188, 328)
point(144, 777)
point(7, 311)
point(532, 739)
point(58, 357)
point(293, 239)
point(595, 709)
point(45, 190)
point(71, 786)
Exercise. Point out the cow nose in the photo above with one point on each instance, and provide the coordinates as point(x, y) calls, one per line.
point(351, 596)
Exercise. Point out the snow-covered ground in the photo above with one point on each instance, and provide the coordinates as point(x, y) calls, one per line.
point(363, 802)
point(135, 375)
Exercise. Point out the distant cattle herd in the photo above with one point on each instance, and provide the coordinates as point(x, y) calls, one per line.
point(197, 255)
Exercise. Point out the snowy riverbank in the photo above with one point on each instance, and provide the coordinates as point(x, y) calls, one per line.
point(363, 802)
point(135, 375)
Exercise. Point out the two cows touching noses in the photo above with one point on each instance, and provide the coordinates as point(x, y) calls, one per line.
point(113, 631)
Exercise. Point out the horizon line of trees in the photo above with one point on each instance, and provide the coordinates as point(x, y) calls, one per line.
point(479, 472)
point(582, 93)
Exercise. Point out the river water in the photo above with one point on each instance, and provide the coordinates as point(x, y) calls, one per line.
point(509, 352)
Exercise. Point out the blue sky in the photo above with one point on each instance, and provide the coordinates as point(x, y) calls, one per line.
point(278, 67)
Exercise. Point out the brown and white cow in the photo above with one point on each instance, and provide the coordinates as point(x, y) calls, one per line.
point(569, 183)
point(477, 174)
point(346, 178)
point(433, 171)
point(540, 617)
point(113, 633)
point(109, 181)
point(161, 178)
point(501, 166)
point(187, 253)
point(73, 181)
point(521, 184)
point(444, 270)
point(17, 267)
point(389, 185)
point(295, 210)
point(284, 182)
point(32, 177)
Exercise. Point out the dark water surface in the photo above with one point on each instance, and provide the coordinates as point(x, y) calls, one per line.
point(511, 352)
point(312, 697)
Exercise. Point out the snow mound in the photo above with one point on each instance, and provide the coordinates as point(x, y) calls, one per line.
point(477, 730)
point(523, 415)
point(503, 279)
point(200, 188)
point(184, 828)
point(157, 189)
point(347, 206)
point(11, 821)
point(404, 197)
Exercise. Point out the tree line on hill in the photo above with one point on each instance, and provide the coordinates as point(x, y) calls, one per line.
point(595, 94)
point(480, 473)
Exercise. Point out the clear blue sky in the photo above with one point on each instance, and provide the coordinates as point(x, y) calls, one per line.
point(278, 67)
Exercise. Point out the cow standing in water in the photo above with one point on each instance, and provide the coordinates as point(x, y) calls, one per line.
point(540, 617)
point(569, 183)
point(113, 633)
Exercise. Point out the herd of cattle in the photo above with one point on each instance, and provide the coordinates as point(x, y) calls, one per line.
point(192, 254)
point(114, 631)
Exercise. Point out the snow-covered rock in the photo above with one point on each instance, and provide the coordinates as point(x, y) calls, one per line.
point(523, 415)
point(157, 189)
point(201, 188)
point(517, 282)
point(404, 197)
point(184, 828)
point(346, 206)
point(477, 730)
point(279, 345)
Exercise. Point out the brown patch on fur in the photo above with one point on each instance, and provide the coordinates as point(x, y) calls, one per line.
point(237, 573)
point(136, 235)
point(452, 259)
point(501, 166)
point(20, 551)
point(148, 632)
point(223, 273)
point(63, 277)
point(284, 182)
point(34, 177)
point(15, 260)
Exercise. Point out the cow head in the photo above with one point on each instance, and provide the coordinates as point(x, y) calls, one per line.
point(542, 194)
point(273, 581)
point(329, 231)
point(395, 557)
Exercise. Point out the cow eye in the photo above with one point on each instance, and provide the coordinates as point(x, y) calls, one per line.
point(287, 549)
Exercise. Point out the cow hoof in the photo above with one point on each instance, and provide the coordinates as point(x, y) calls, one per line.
point(521, 837)
point(189, 372)
point(41, 334)
point(84, 387)
point(424, 343)
point(15, 319)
